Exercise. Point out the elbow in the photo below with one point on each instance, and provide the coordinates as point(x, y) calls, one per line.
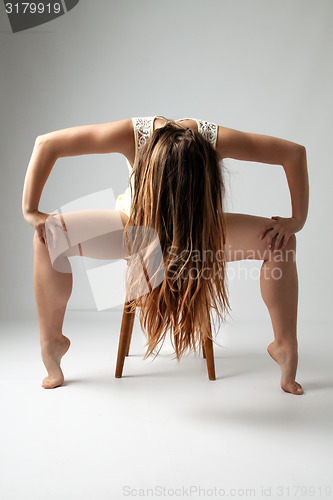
point(297, 153)
point(296, 156)
point(45, 142)
point(301, 150)
point(43, 139)
point(39, 140)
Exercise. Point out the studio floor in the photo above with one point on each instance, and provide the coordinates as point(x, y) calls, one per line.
point(163, 430)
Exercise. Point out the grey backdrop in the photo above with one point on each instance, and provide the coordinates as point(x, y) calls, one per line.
point(260, 66)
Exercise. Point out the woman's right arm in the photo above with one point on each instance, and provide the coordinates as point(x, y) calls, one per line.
point(113, 137)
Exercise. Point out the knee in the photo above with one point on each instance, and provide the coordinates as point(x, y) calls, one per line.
point(287, 254)
point(290, 249)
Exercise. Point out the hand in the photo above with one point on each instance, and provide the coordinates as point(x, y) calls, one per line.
point(279, 231)
point(43, 223)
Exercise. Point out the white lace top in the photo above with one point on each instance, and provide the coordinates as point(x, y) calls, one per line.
point(143, 129)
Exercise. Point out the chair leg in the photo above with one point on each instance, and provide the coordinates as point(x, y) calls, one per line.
point(203, 351)
point(209, 352)
point(129, 341)
point(125, 338)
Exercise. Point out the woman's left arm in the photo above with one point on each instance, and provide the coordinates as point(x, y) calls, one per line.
point(273, 150)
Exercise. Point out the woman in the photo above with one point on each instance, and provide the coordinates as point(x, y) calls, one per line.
point(176, 188)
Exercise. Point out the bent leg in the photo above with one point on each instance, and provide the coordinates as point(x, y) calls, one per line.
point(92, 236)
point(279, 288)
point(97, 234)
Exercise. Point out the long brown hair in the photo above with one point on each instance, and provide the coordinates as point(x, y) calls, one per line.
point(178, 195)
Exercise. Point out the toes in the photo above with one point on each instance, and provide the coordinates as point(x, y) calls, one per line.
point(293, 388)
point(299, 388)
point(50, 383)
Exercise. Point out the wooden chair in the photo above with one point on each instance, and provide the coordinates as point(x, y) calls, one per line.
point(125, 341)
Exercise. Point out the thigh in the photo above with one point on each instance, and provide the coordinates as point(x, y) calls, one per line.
point(96, 234)
point(242, 237)
point(99, 234)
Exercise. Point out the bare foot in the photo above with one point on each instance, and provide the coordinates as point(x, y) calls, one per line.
point(52, 352)
point(286, 356)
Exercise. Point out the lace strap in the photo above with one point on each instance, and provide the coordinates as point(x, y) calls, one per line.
point(209, 131)
point(142, 131)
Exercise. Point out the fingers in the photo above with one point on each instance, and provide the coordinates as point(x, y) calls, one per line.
point(273, 234)
point(53, 224)
point(272, 230)
point(47, 227)
point(263, 233)
point(285, 242)
point(41, 235)
point(277, 232)
point(52, 236)
point(40, 230)
point(269, 227)
point(279, 241)
point(274, 238)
